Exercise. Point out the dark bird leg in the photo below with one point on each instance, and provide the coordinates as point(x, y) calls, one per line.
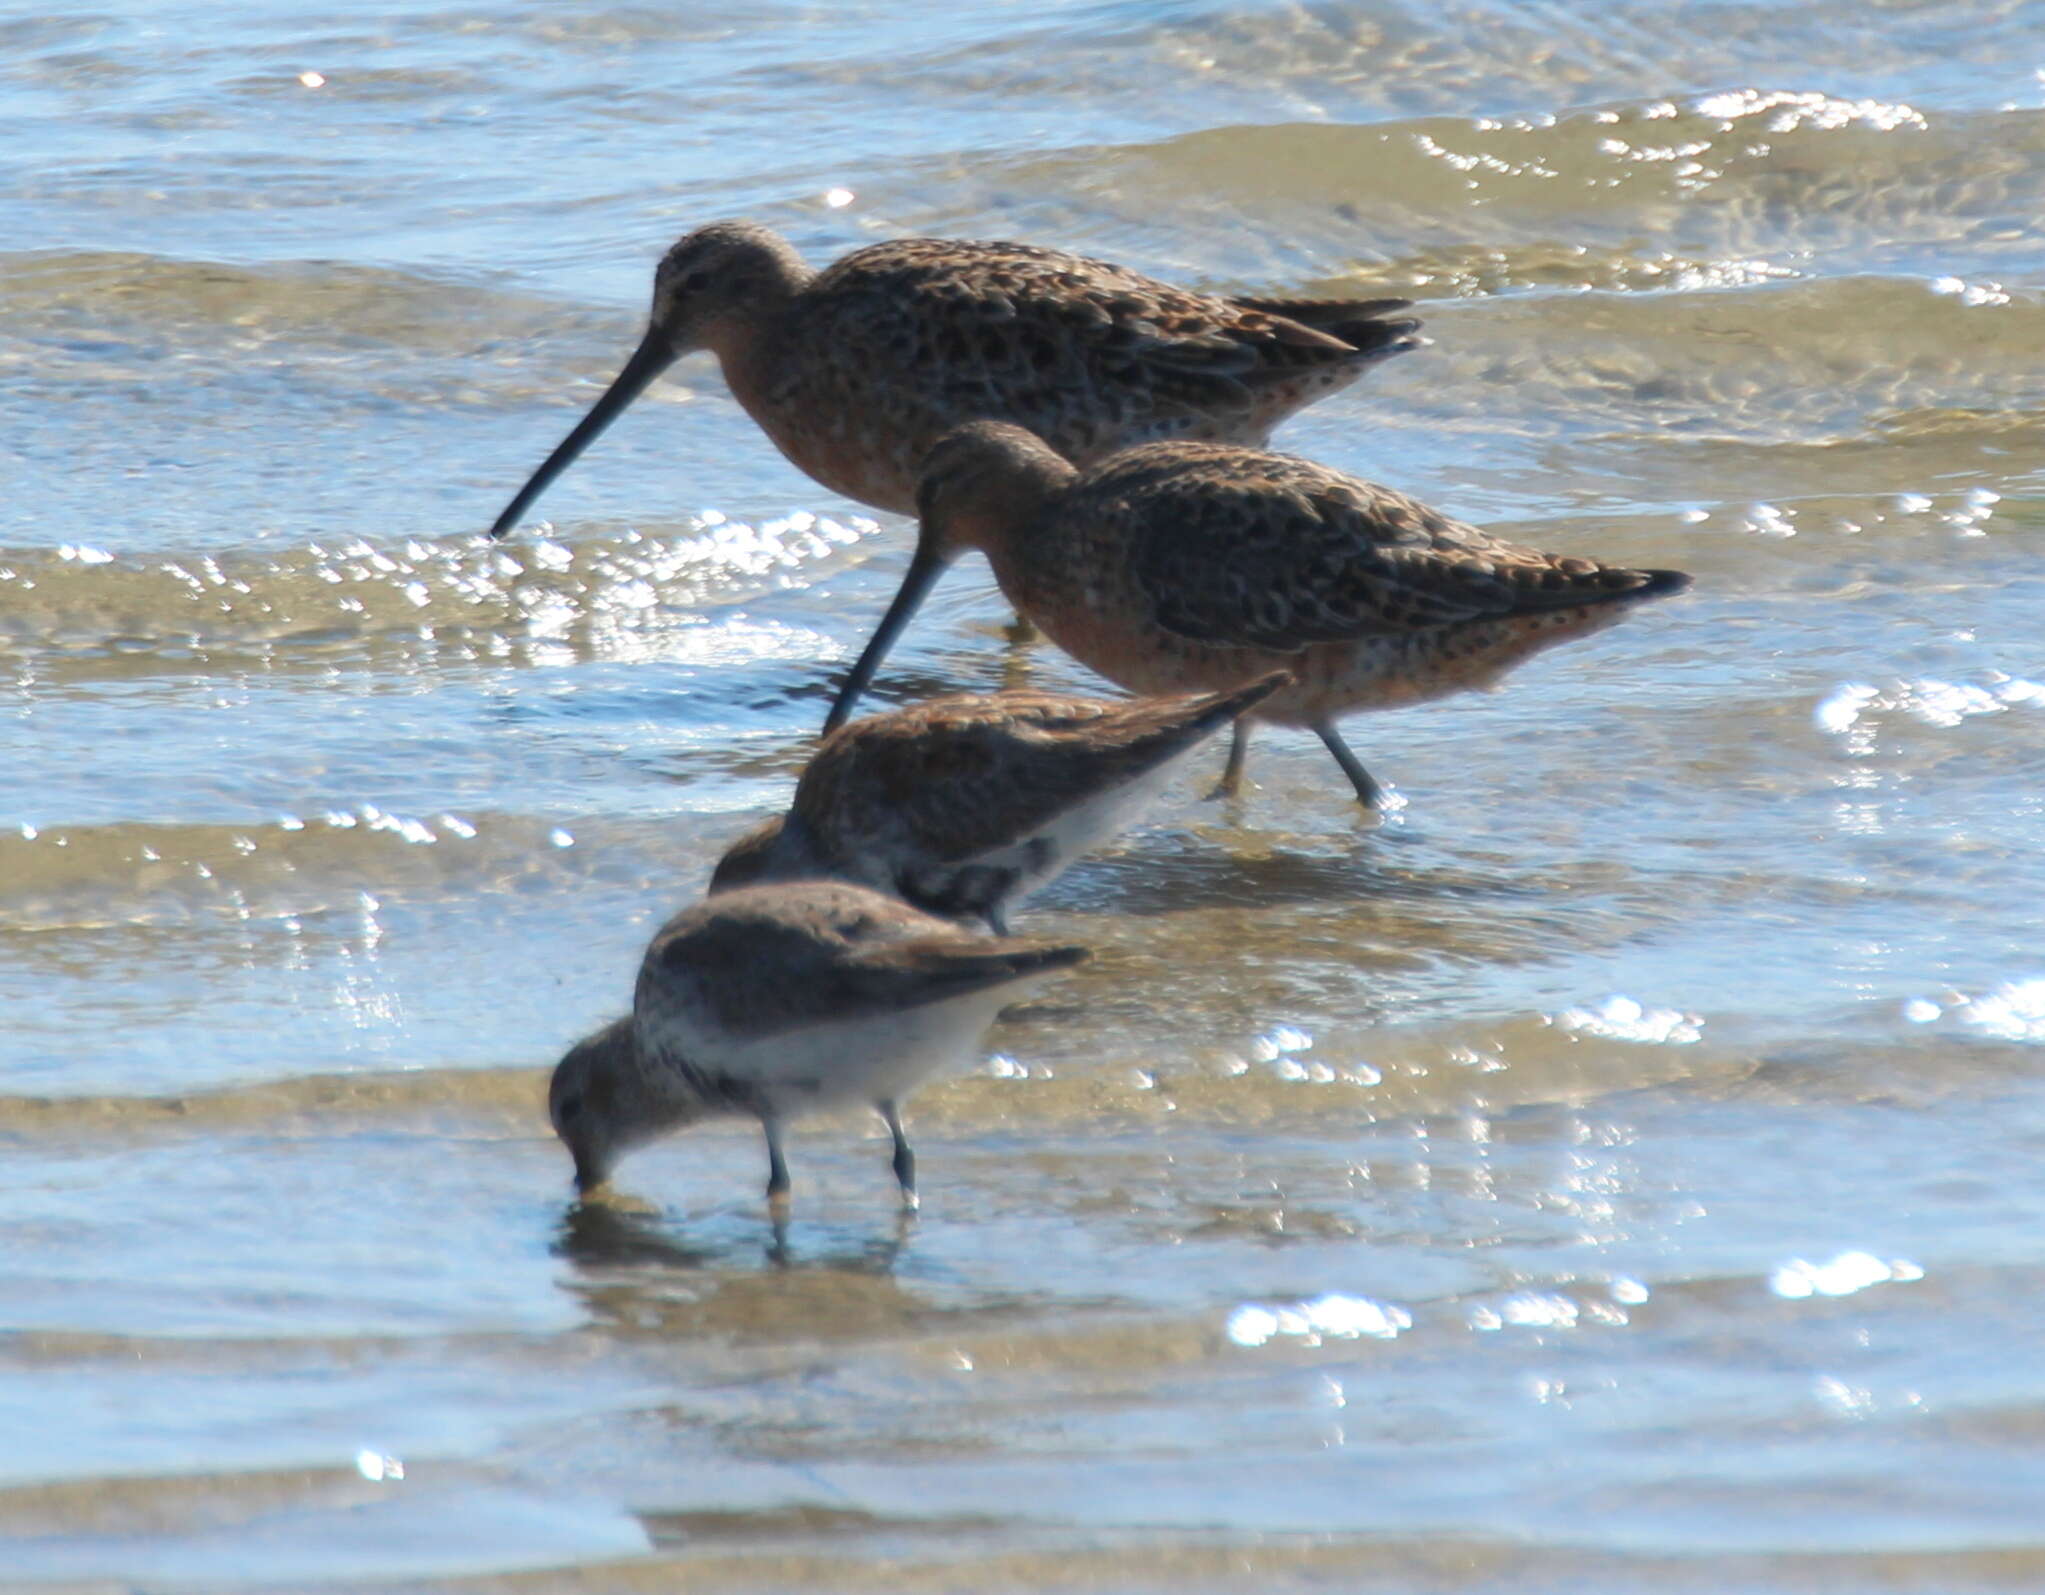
point(1367, 792)
point(1231, 782)
point(777, 1167)
point(905, 1160)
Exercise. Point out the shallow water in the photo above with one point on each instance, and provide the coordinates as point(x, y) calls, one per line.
point(1617, 1167)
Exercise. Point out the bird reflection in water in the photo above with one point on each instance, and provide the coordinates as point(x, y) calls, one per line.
point(616, 1245)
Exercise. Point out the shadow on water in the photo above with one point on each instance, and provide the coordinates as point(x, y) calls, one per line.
point(1246, 868)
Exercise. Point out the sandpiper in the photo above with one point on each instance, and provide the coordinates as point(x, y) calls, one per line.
point(855, 371)
point(1178, 566)
point(964, 805)
point(777, 1000)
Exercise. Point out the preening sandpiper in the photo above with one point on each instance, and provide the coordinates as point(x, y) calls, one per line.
point(964, 805)
point(1173, 567)
point(855, 372)
point(775, 1001)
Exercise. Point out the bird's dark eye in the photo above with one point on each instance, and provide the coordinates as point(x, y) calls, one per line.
point(569, 1110)
point(695, 282)
point(935, 485)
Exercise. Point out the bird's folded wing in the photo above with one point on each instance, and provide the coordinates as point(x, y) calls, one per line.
point(963, 776)
point(1013, 314)
point(761, 978)
point(1280, 565)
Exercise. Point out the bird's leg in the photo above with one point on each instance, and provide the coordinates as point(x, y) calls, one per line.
point(1231, 782)
point(905, 1160)
point(777, 1168)
point(1367, 792)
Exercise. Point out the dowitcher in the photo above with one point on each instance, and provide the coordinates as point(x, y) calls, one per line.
point(777, 1000)
point(964, 805)
point(855, 371)
point(1178, 566)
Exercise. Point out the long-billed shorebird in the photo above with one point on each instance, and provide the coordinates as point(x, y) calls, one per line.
point(964, 805)
point(1177, 566)
point(855, 371)
point(778, 1000)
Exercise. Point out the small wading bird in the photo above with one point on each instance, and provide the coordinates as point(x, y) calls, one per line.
point(780, 1000)
point(855, 371)
point(964, 805)
point(1175, 567)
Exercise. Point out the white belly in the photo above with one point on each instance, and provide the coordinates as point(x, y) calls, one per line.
point(880, 1058)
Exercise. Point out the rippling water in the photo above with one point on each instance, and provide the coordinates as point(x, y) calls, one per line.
point(1617, 1167)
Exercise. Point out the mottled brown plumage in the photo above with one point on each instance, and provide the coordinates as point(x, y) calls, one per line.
point(778, 1000)
point(964, 805)
point(1178, 566)
point(855, 371)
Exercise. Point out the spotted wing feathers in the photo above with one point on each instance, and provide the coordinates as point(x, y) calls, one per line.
point(1238, 548)
point(1016, 329)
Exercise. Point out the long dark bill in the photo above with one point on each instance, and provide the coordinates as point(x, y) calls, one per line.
point(652, 357)
point(924, 570)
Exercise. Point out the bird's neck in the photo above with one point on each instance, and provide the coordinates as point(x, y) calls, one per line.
point(798, 851)
point(1009, 534)
point(752, 342)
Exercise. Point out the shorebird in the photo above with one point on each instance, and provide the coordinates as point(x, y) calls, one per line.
point(777, 1000)
point(1172, 567)
point(855, 371)
point(964, 805)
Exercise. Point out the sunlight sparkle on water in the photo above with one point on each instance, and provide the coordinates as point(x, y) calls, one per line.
point(1851, 1401)
point(1770, 521)
point(1330, 1317)
point(1623, 1019)
point(1279, 1040)
point(1842, 1276)
point(1529, 1309)
point(2014, 1011)
point(1977, 293)
point(1931, 701)
point(1788, 111)
point(1836, 713)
